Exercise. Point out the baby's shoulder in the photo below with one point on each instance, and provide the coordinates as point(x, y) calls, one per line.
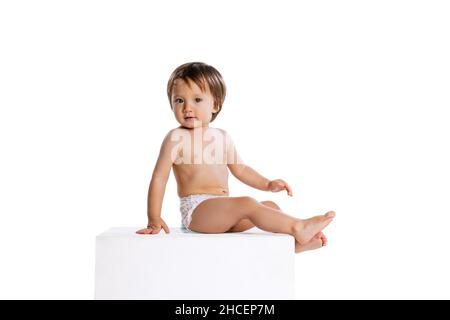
point(219, 131)
point(178, 130)
point(175, 133)
point(223, 131)
point(172, 138)
point(225, 135)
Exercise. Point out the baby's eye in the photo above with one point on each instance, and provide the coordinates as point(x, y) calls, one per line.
point(198, 99)
point(178, 100)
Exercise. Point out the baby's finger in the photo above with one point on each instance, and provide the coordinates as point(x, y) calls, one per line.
point(324, 240)
point(166, 228)
point(289, 190)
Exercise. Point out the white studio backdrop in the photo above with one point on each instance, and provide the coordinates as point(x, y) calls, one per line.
point(345, 100)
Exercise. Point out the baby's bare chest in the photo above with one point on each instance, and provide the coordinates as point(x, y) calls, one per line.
point(202, 153)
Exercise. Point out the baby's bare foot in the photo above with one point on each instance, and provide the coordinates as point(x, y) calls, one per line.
point(305, 230)
point(318, 241)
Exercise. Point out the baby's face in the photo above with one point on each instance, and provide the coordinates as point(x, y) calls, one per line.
point(192, 107)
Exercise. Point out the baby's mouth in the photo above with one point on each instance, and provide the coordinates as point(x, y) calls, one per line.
point(188, 118)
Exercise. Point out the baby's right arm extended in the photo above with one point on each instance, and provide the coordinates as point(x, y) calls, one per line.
point(157, 187)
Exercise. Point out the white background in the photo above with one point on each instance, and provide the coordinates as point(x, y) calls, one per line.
point(345, 100)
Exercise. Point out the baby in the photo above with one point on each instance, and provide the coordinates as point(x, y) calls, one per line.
point(201, 157)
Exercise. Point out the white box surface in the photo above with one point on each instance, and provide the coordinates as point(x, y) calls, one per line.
point(185, 265)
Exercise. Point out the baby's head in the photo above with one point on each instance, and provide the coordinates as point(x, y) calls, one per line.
point(196, 93)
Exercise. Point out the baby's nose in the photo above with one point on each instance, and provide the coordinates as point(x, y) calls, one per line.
point(187, 107)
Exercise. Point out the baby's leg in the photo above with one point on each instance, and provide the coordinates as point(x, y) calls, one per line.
point(218, 215)
point(246, 224)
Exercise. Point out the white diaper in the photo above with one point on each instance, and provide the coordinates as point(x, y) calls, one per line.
point(189, 203)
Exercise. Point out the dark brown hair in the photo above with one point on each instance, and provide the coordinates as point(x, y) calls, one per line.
point(202, 74)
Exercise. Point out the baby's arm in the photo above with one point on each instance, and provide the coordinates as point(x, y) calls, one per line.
point(157, 187)
point(248, 175)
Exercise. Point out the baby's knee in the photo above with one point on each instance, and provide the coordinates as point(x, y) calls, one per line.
point(271, 204)
point(247, 201)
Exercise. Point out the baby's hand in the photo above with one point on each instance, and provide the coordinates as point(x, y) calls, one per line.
point(279, 185)
point(154, 227)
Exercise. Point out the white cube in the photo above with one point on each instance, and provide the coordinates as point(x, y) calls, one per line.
point(186, 265)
